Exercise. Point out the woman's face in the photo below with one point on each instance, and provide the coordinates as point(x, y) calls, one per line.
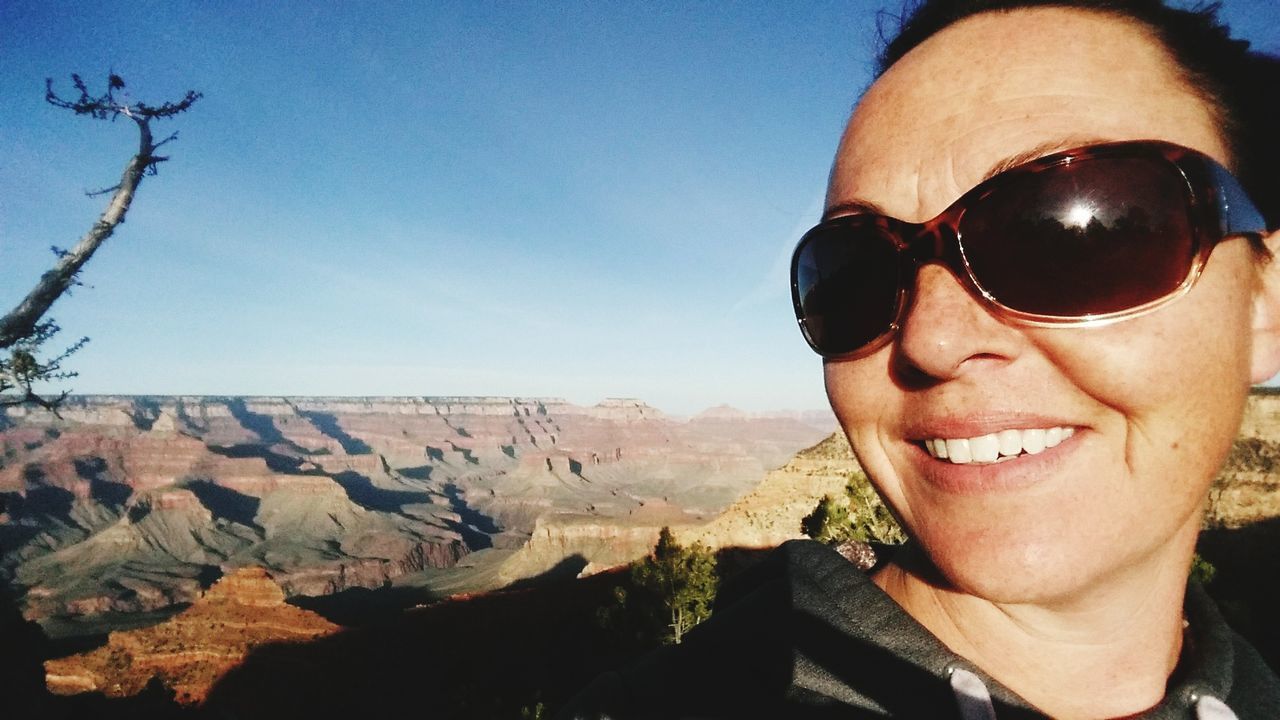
point(1154, 401)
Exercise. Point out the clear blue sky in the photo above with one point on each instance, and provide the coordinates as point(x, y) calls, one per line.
point(580, 200)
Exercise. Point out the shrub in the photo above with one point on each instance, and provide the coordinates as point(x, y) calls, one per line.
point(1202, 571)
point(858, 515)
point(669, 592)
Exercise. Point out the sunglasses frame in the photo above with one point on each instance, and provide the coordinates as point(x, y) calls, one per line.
point(1217, 209)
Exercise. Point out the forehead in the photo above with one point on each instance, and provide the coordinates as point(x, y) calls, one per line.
point(1006, 84)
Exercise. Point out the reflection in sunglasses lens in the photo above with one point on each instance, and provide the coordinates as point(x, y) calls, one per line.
point(1092, 238)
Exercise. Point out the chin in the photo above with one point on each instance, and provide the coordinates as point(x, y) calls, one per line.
point(1046, 564)
point(1008, 548)
point(1018, 574)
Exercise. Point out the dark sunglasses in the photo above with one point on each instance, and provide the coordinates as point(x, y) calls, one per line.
point(1085, 236)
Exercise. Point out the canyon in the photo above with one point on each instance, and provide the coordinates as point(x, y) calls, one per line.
point(120, 506)
point(210, 513)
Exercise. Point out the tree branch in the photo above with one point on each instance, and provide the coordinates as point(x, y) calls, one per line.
point(172, 136)
point(31, 398)
point(102, 191)
point(21, 321)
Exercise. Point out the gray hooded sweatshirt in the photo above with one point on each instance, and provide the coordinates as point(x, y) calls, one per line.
point(805, 634)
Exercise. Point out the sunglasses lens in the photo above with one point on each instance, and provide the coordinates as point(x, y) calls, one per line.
point(845, 278)
point(1094, 237)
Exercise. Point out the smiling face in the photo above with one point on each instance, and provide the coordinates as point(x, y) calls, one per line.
point(1144, 410)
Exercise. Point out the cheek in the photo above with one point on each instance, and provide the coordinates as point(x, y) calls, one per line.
point(866, 402)
point(846, 382)
point(1177, 378)
point(858, 391)
point(851, 390)
point(1198, 346)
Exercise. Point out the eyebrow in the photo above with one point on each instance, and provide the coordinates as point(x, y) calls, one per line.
point(1039, 151)
point(852, 207)
point(865, 207)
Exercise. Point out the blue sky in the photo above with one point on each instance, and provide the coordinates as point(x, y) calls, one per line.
point(583, 200)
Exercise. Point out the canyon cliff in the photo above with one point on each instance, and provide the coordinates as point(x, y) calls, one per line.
point(124, 505)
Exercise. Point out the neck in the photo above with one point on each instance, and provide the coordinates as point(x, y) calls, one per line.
point(1105, 652)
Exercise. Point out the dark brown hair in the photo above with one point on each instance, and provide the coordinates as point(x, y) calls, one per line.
point(1241, 87)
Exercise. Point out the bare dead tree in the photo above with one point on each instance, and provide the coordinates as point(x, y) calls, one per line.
point(23, 329)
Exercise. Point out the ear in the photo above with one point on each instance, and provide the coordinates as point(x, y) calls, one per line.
point(1266, 314)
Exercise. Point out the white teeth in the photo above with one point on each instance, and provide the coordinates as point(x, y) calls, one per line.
point(1033, 441)
point(997, 446)
point(1010, 442)
point(1052, 437)
point(958, 451)
point(985, 449)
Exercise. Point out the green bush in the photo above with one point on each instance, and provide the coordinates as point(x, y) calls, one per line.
point(858, 515)
point(1202, 571)
point(669, 592)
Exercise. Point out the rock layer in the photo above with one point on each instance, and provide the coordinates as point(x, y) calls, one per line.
point(764, 517)
point(128, 504)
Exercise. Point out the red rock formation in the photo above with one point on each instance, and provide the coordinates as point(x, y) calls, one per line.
point(192, 650)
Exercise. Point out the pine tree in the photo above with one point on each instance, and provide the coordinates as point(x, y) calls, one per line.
point(829, 521)
point(859, 515)
point(676, 586)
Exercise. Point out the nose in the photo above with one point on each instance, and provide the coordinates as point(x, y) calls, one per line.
point(947, 332)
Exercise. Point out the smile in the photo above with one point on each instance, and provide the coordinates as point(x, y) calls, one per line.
point(996, 447)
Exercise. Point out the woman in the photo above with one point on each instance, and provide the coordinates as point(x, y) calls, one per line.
point(1043, 401)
